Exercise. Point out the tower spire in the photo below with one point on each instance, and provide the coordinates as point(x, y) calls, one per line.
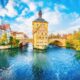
point(40, 14)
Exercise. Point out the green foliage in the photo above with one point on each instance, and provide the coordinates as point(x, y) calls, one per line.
point(3, 40)
point(13, 42)
point(73, 41)
point(69, 45)
point(78, 55)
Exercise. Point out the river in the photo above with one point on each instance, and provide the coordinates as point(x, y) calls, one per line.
point(55, 63)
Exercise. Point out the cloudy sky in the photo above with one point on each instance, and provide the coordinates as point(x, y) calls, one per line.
point(62, 15)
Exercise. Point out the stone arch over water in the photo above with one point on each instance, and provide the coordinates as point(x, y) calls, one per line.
point(57, 43)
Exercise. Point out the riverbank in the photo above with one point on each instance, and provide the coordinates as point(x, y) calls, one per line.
point(77, 55)
point(5, 47)
point(8, 47)
point(11, 46)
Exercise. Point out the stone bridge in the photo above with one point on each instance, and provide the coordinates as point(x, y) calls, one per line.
point(58, 41)
point(54, 41)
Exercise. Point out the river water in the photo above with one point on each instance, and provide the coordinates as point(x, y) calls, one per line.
point(55, 63)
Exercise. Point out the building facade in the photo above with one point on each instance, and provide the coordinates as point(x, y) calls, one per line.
point(18, 35)
point(5, 29)
point(40, 32)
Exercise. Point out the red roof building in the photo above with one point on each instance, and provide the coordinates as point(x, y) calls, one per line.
point(5, 27)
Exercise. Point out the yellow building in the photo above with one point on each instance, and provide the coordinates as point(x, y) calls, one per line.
point(40, 32)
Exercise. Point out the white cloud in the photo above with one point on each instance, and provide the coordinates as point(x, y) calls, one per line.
point(60, 22)
point(59, 6)
point(32, 6)
point(76, 22)
point(24, 11)
point(74, 26)
point(2, 12)
point(52, 17)
point(26, 1)
point(21, 28)
point(8, 10)
point(40, 4)
point(25, 24)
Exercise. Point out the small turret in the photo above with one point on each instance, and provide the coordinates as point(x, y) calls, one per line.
point(40, 14)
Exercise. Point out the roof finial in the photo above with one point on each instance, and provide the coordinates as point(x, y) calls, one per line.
point(40, 14)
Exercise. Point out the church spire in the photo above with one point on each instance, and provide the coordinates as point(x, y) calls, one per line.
point(40, 14)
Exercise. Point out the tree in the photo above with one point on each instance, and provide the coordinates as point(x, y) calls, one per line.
point(4, 39)
point(11, 41)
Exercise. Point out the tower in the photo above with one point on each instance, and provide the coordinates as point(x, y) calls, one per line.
point(40, 32)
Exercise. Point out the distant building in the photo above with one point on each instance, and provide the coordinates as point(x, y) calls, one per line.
point(67, 36)
point(5, 29)
point(40, 32)
point(18, 35)
point(64, 36)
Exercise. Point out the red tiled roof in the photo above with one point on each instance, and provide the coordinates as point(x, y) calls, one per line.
point(4, 26)
point(14, 33)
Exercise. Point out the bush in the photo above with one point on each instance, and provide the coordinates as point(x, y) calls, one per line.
point(78, 55)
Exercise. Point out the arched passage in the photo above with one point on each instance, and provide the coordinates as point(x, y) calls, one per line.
point(57, 43)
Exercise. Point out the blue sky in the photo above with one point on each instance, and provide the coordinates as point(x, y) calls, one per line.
point(63, 15)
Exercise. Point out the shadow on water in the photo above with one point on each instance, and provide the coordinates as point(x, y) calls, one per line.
point(51, 47)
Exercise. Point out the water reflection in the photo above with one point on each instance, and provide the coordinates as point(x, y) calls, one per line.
point(52, 64)
point(77, 55)
point(4, 56)
point(40, 58)
point(42, 68)
point(3, 60)
point(19, 64)
point(39, 63)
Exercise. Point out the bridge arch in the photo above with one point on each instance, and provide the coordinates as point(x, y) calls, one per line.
point(58, 42)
